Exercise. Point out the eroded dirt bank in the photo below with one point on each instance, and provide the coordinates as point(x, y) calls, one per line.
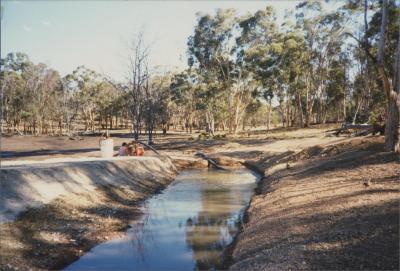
point(332, 207)
point(71, 206)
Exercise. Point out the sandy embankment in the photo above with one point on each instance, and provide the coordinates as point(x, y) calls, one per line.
point(29, 184)
point(62, 209)
point(325, 208)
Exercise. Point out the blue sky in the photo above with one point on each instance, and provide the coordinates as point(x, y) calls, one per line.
point(66, 34)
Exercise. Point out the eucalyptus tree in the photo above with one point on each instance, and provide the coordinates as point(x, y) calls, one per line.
point(13, 91)
point(51, 91)
point(210, 53)
point(105, 99)
point(323, 33)
point(36, 96)
point(93, 96)
point(156, 101)
point(86, 81)
point(381, 47)
point(259, 47)
point(70, 103)
point(183, 88)
point(13, 98)
point(292, 61)
point(43, 85)
point(337, 87)
point(30, 93)
point(226, 85)
point(390, 76)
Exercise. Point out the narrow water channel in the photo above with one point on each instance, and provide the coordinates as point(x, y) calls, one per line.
point(186, 227)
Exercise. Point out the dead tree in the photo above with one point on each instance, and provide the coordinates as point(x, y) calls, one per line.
point(139, 81)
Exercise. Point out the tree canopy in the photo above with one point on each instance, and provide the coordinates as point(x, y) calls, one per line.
point(316, 66)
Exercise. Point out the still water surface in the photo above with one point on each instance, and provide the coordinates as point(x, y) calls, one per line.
point(186, 227)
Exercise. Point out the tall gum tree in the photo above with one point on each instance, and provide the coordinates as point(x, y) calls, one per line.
point(392, 90)
point(381, 46)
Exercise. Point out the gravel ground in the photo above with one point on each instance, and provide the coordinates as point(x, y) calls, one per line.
point(326, 208)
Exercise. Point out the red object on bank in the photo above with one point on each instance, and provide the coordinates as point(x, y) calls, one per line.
point(139, 151)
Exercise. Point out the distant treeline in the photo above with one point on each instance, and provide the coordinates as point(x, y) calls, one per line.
point(317, 66)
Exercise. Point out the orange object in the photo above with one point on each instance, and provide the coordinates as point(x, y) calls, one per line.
point(139, 151)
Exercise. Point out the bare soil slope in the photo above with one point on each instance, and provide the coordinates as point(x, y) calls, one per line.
point(71, 206)
point(333, 207)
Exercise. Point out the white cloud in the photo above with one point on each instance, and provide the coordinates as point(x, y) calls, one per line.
point(26, 28)
point(46, 23)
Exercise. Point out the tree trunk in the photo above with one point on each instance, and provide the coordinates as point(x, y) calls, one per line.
point(40, 126)
point(287, 112)
point(190, 123)
point(392, 127)
point(223, 125)
point(356, 113)
point(51, 127)
point(300, 110)
point(92, 124)
point(393, 97)
point(60, 126)
point(237, 118)
point(344, 108)
point(269, 114)
point(210, 123)
point(150, 131)
point(307, 122)
point(126, 120)
point(212, 126)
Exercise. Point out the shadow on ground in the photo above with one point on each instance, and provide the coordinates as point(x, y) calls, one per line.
point(328, 208)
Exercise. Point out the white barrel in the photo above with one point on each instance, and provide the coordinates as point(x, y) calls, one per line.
point(107, 147)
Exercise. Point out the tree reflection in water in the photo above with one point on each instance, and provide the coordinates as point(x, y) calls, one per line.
point(184, 228)
point(214, 227)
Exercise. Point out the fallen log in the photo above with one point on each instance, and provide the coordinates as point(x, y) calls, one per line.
point(148, 146)
point(209, 160)
point(19, 132)
point(338, 131)
point(357, 126)
point(358, 129)
point(375, 129)
point(363, 132)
